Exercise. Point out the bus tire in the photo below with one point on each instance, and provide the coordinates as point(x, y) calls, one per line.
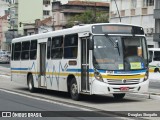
point(119, 96)
point(74, 90)
point(31, 83)
point(156, 70)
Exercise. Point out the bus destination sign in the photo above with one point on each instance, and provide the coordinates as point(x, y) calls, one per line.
point(117, 29)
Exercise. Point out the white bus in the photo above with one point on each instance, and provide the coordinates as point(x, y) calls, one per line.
point(92, 59)
point(154, 63)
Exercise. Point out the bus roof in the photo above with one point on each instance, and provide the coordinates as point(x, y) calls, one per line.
point(77, 29)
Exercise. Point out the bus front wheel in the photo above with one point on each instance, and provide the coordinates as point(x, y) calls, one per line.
point(31, 84)
point(119, 96)
point(74, 90)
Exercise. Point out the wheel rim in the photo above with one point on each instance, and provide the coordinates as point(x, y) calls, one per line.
point(74, 89)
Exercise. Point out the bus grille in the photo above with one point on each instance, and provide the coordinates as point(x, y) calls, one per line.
point(122, 82)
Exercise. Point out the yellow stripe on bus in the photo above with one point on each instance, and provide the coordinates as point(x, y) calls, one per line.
point(123, 76)
point(116, 77)
point(151, 70)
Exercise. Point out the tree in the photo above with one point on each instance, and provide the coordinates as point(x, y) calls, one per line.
point(88, 17)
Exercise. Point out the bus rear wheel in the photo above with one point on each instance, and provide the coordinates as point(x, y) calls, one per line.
point(156, 70)
point(31, 83)
point(74, 90)
point(119, 96)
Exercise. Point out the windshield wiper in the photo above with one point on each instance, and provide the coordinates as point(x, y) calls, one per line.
point(115, 44)
point(110, 39)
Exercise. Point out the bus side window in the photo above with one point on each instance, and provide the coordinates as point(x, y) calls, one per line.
point(33, 50)
point(150, 56)
point(71, 46)
point(49, 48)
point(12, 55)
point(57, 47)
point(156, 56)
point(25, 50)
point(17, 51)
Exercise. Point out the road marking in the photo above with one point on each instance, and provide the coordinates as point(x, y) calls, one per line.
point(6, 76)
point(66, 105)
point(41, 99)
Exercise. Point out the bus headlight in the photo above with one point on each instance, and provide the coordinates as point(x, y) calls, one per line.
point(146, 76)
point(98, 76)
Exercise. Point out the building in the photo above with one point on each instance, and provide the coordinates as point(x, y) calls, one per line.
point(138, 12)
point(4, 5)
point(66, 1)
point(156, 35)
point(3, 28)
point(47, 8)
point(40, 26)
point(62, 12)
point(24, 14)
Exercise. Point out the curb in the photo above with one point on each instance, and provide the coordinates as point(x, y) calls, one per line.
point(155, 96)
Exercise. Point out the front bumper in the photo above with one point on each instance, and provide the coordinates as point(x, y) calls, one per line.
point(98, 87)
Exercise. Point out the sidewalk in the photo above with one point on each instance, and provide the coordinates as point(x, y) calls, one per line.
point(5, 71)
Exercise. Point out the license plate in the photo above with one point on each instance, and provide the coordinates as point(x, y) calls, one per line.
point(124, 89)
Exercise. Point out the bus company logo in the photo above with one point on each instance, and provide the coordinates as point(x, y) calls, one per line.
point(124, 81)
point(6, 114)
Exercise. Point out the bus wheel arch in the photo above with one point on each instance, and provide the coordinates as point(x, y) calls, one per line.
point(73, 87)
point(30, 82)
point(156, 70)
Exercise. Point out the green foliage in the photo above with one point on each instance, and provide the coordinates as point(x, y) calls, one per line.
point(88, 17)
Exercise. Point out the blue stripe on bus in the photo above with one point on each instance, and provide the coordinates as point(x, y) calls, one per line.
point(127, 72)
point(19, 68)
point(78, 70)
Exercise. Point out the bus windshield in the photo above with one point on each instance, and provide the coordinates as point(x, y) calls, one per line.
point(119, 53)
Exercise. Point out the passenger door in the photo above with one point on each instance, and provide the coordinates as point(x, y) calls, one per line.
point(84, 64)
point(42, 62)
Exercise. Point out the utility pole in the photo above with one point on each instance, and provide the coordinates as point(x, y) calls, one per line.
point(95, 11)
point(118, 11)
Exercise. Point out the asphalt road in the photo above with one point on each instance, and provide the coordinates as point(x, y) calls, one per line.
point(12, 102)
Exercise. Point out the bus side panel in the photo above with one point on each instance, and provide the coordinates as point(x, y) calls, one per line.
point(60, 76)
point(25, 65)
point(68, 69)
point(16, 72)
point(51, 75)
point(34, 71)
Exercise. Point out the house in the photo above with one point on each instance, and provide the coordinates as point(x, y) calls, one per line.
point(62, 12)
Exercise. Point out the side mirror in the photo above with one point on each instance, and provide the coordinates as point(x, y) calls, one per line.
point(91, 44)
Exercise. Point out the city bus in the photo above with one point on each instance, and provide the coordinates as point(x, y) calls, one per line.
point(154, 63)
point(154, 59)
point(93, 59)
